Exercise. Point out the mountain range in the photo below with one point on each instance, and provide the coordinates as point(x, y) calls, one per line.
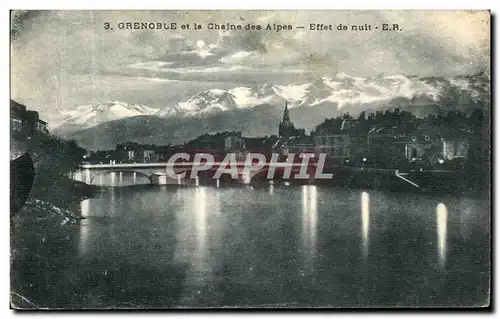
point(256, 110)
point(87, 116)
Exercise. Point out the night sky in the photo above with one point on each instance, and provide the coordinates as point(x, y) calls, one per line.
point(64, 59)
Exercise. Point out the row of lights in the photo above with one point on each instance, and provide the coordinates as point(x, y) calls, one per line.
point(364, 160)
point(441, 161)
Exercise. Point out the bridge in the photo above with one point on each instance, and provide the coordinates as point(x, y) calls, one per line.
point(150, 170)
point(156, 173)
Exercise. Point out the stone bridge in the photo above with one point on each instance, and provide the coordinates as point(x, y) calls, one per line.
point(90, 171)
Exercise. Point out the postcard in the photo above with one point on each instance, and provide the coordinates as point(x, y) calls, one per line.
point(250, 159)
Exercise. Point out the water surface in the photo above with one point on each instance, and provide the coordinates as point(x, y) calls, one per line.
point(159, 246)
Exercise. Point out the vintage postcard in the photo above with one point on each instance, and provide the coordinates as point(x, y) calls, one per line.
point(250, 159)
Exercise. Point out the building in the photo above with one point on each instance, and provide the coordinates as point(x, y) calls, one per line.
point(455, 148)
point(386, 146)
point(125, 153)
point(233, 141)
point(335, 146)
point(392, 147)
point(147, 156)
point(25, 122)
point(286, 126)
point(165, 152)
point(136, 153)
point(216, 143)
point(437, 145)
point(339, 140)
point(252, 143)
point(297, 144)
point(16, 118)
point(260, 144)
point(41, 126)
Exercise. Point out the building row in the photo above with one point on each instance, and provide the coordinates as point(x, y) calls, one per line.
point(217, 144)
point(24, 122)
point(349, 141)
point(344, 141)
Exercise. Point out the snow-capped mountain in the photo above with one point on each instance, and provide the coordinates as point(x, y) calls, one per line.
point(216, 100)
point(340, 92)
point(86, 116)
point(257, 110)
point(203, 103)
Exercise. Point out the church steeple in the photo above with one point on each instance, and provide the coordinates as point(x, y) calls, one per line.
point(286, 115)
point(286, 127)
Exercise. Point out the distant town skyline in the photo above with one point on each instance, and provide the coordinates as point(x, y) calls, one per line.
point(64, 59)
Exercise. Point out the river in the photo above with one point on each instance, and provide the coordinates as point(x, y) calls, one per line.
point(272, 246)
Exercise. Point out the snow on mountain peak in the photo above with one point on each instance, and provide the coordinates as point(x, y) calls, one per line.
point(209, 101)
point(338, 92)
point(348, 90)
point(90, 115)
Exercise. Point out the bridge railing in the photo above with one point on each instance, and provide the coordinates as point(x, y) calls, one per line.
point(183, 164)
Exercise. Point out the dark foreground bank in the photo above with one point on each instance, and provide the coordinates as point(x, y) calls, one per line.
point(42, 225)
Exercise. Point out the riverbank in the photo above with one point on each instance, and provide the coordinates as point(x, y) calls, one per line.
point(65, 193)
point(44, 228)
point(437, 182)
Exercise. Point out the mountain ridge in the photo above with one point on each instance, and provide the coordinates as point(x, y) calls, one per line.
point(257, 110)
point(339, 91)
point(86, 116)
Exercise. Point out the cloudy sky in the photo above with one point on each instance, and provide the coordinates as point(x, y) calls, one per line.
point(64, 59)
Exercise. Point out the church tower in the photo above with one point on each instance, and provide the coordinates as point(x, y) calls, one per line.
point(286, 115)
point(286, 127)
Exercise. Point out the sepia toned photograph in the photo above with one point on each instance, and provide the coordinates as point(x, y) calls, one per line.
point(250, 159)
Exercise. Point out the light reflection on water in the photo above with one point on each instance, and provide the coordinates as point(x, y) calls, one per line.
point(197, 234)
point(309, 223)
point(84, 228)
point(442, 225)
point(113, 178)
point(112, 206)
point(200, 216)
point(201, 228)
point(365, 220)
